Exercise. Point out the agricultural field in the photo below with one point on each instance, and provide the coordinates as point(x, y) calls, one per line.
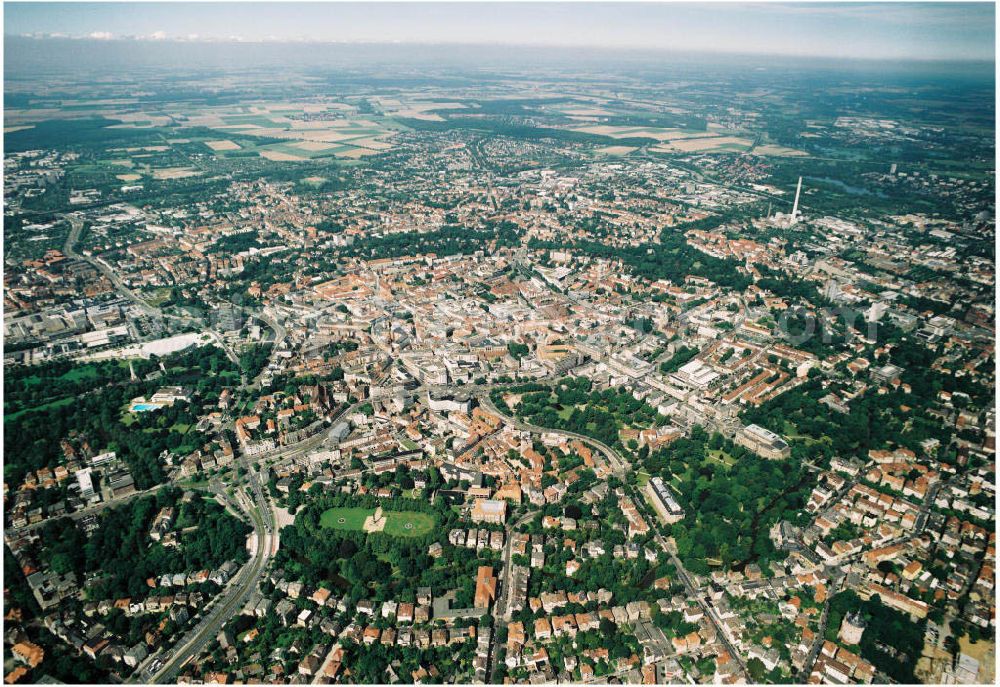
point(223, 145)
point(615, 150)
point(277, 131)
point(672, 140)
point(656, 133)
point(704, 144)
point(306, 130)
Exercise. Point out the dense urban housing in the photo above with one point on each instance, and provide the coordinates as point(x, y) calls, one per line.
point(354, 362)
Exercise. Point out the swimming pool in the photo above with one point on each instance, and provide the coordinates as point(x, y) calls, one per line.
point(143, 407)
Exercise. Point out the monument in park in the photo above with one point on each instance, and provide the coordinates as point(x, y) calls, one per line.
point(375, 522)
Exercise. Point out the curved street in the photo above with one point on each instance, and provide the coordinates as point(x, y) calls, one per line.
point(619, 465)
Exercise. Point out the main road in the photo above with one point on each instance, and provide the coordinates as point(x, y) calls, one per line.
point(163, 669)
point(695, 592)
point(618, 464)
point(500, 608)
point(83, 512)
point(232, 598)
point(69, 249)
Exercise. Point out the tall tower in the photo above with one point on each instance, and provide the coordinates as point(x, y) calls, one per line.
point(851, 628)
point(795, 207)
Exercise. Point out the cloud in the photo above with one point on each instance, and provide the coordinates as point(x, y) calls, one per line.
point(898, 13)
point(158, 36)
point(100, 35)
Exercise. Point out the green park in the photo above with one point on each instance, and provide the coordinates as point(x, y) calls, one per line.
point(398, 523)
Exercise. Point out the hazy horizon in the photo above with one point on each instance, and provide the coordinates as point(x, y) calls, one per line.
point(456, 64)
point(844, 31)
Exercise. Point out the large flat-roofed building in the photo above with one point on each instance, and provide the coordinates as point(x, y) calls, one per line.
point(886, 373)
point(171, 394)
point(86, 482)
point(763, 442)
point(488, 510)
point(694, 375)
point(449, 402)
point(121, 484)
point(663, 501)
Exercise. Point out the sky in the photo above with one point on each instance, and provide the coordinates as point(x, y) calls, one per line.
point(865, 30)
